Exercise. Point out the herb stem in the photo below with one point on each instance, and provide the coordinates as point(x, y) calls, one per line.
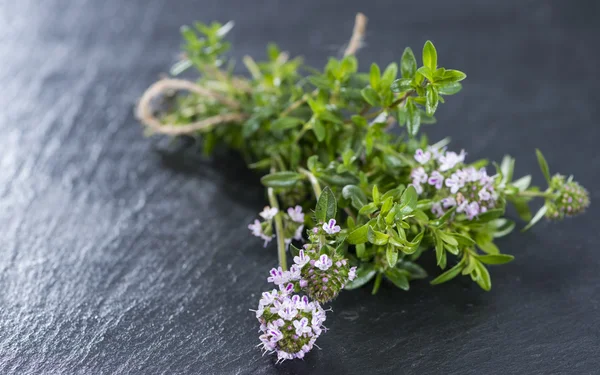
point(313, 181)
point(528, 193)
point(278, 230)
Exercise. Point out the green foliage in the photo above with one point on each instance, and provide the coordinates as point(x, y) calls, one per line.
point(330, 130)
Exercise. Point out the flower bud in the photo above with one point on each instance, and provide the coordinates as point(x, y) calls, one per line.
point(323, 276)
point(570, 198)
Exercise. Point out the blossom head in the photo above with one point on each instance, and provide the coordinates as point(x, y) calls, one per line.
point(323, 276)
point(296, 214)
point(570, 198)
point(268, 213)
point(289, 324)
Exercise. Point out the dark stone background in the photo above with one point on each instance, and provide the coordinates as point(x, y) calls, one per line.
point(122, 254)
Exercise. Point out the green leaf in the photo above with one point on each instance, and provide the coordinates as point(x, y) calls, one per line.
point(503, 227)
point(483, 277)
point(364, 274)
point(449, 88)
point(447, 238)
point(495, 258)
point(377, 283)
point(401, 85)
point(358, 235)
point(389, 75)
point(356, 196)
point(377, 238)
point(413, 120)
point(408, 65)
point(368, 209)
point(375, 194)
point(490, 215)
point(507, 166)
point(391, 255)
point(543, 165)
point(440, 253)
point(522, 183)
point(284, 123)
point(326, 206)
point(294, 251)
point(281, 179)
point(426, 72)
point(538, 216)
point(374, 76)
point(451, 75)
point(398, 277)
point(448, 275)
point(429, 55)
point(522, 207)
point(409, 197)
point(370, 96)
point(416, 271)
point(319, 130)
point(489, 247)
point(432, 100)
point(319, 82)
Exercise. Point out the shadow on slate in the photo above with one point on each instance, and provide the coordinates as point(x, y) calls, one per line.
point(128, 255)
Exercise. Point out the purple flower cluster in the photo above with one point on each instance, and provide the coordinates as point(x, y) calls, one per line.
point(290, 323)
point(444, 177)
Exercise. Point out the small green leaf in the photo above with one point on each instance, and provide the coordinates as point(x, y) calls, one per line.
point(495, 258)
point(377, 283)
point(408, 65)
point(401, 85)
point(409, 197)
point(326, 206)
point(440, 253)
point(538, 216)
point(389, 75)
point(391, 255)
point(451, 75)
point(447, 238)
point(364, 274)
point(522, 183)
point(374, 76)
point(320, 82)
point(448, 275)
point(489, 247)
point(356, 196)
point(490, 215)
point(432, 100)
point(522, 207)
point(281, 179)
point(426, 72)
point(319, 130)
point(368, 209)
point(483, 277)
point(413, 119)
point(398, 277)
point(543, 165)
point(284, 123)
point(358, 235)
point(429, 55)
point(449, 88)
point(416, 271)
point(377, 238)
point(370, 96)
point(294, 251)
point(375, 194)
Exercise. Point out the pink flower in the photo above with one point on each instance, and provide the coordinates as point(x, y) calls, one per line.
point(331, 228)
point(422, 157)
point(324, 262)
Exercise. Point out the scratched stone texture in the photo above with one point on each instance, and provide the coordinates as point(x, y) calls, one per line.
point(121, 254)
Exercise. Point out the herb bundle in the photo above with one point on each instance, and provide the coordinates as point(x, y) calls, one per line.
point(378, 200)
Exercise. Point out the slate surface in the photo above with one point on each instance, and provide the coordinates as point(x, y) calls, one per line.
point(111, 258)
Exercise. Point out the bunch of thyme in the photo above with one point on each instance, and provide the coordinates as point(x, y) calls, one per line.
point(323, 142)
